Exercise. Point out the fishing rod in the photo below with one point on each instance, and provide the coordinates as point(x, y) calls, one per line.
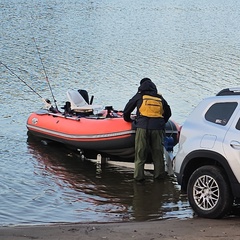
point(46, 101)
point(45, 73)
point(13, 73)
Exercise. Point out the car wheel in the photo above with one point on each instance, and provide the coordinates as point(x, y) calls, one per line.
point(209, 193)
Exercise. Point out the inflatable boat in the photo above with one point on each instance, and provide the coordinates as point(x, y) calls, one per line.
point(91, 128)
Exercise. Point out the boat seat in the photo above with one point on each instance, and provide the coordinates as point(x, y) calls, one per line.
point(84, 94)
point(79, 104)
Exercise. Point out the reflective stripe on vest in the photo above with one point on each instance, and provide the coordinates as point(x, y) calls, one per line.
point(151, 106)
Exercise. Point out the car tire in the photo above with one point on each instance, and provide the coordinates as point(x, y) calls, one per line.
point(209, 193)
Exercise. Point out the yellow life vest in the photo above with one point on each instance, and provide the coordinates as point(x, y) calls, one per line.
point(151, 107)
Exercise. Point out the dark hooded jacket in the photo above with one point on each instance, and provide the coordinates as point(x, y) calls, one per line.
point(147, 87)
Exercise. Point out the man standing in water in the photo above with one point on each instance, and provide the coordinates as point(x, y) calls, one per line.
point(152, 113)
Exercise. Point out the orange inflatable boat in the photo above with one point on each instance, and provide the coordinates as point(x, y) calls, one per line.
point(83, 127)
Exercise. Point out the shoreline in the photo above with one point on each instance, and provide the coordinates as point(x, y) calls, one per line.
point(181, 229)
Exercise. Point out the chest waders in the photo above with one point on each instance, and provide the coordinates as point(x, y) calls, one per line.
point(148, 140)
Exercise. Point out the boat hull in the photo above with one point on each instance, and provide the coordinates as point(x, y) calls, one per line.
point(109, 136)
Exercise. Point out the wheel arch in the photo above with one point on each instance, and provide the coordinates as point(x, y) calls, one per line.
point(200, 158)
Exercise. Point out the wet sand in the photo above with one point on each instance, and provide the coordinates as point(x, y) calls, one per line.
point(196, 228)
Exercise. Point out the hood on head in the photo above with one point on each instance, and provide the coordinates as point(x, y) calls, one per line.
point(146, 85)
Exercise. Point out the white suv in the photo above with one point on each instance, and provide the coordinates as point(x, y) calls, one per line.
point(207, 164)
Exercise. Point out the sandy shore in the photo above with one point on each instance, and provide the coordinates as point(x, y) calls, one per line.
point(196, 228)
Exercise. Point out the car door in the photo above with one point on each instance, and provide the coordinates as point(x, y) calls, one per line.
point(231, 145)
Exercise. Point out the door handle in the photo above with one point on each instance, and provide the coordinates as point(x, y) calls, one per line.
point(235, 145)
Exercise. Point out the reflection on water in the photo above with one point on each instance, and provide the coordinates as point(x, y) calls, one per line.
point(106, 193)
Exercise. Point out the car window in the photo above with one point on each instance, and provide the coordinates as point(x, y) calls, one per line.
point(238, 124)
point(220, 113)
